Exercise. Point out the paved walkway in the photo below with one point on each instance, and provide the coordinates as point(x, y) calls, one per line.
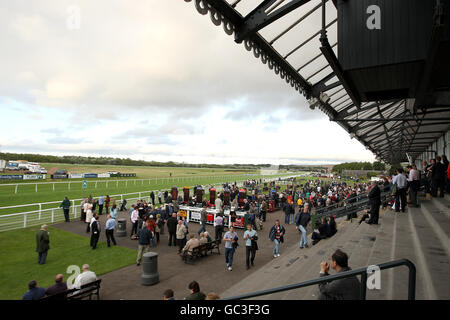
point(210, 271)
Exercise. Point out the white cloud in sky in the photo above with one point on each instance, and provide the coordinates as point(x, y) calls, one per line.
point(150, 79)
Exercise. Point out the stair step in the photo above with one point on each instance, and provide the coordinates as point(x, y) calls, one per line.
point(433, 255)
point(383, 251)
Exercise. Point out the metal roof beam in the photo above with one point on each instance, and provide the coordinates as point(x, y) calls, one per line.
point(259, 17)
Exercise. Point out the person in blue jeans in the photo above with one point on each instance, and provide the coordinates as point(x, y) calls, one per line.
point(251, 245)
point(276, 235)
point(301, 222)
point(230, 239)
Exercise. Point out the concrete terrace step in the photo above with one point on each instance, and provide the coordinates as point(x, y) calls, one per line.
point(383, 251)
point(432, 245)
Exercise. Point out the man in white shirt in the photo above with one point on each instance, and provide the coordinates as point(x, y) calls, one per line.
point(414, 184)
point(400, 195)
point(218, 203)
point(85, 277)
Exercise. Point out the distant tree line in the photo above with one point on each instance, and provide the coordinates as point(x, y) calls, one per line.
point(377, 166)
point(119, 161)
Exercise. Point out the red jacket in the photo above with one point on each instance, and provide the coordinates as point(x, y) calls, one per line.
point(448, 172)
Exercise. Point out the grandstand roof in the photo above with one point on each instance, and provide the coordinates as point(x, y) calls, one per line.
point(287, 36)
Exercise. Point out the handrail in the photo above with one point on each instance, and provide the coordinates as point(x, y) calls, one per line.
point(362, 202)
point(342, 275)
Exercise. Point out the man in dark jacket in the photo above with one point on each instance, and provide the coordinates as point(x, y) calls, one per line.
point(438, 174)
point(172, 228)
point(276, 235)
point(34, 292)
point(342, 289)
point(301, 223)
point(195, 293)
point(145, 238)
point(374, 202)
point(95, 229)
point(58, 287)
point(66, 207)
point(152, 196)
point(42, 244)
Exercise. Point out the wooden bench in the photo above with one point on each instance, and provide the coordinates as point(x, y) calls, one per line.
point(86, 291)
point(201, 251)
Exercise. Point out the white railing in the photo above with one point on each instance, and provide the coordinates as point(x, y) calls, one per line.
point(53, 215)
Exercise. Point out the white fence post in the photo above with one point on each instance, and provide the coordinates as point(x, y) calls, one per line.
point(24, 220)
point(53, 215)
point(40, 210)
point(36, 187)
point(53, 187)
point(16, 188)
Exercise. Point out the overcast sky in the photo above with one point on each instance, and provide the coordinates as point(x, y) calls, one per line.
point(153, 80)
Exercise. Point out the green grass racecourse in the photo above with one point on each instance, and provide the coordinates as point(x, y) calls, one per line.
point(18, 259)
point(27, 194)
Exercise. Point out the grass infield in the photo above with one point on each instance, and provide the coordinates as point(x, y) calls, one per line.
point(18, 259)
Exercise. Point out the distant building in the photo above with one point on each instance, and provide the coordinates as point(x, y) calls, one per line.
point(272, 170)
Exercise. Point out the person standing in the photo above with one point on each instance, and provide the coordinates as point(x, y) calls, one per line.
point(114, 212)
point(250, 237)
point(172, 228)
point(203, 219)
point(276, 235)
point(374, 202)
point(264, 210)
point(152, 197)
point(134, 220)
point(301, 222)
point(438, 178)
point(109, 230)
point(181, 235)
point(287, 212)
point(230, 239)
point(218, 222)
point(95, 229)
point(66, 207)
point(101, 202)
point(107, 202)
point(42, 244)
point(219, 204)
point(83, 213)
point(414, 185)
point(145, 237)
point(400, 194)
point(89, 215)
point(159, 196)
